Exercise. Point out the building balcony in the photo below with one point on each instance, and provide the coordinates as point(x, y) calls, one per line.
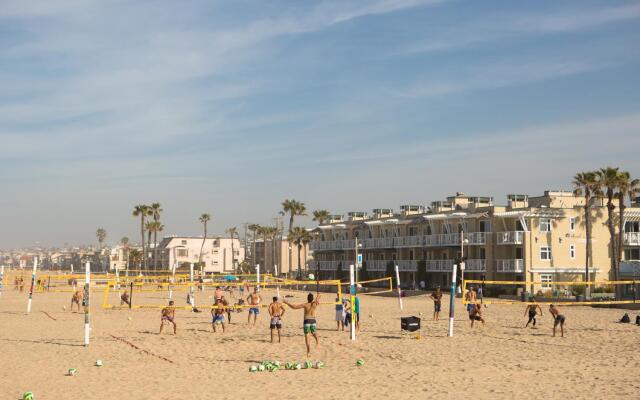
point(407, 265)
point(630, 268)
point(377, 265)
point(632, 238)
point(453, 239)
point(511, 237)
point(440, 265)
point(324, 265)
point(510, 266)
point(475, 265)
point(378, 243)
point(329, 245)
point(409, 241)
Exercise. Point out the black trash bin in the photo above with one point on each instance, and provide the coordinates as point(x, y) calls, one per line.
point(410, 324)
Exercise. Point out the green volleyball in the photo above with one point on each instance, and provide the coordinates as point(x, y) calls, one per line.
point(72, 371)
point(298, 366)
point(261, 368)
point(288, 365)
point(319, 365)
point(253, 368)
point(360, 362)
point(28, 396)
point(276, 364)
point(308, 364)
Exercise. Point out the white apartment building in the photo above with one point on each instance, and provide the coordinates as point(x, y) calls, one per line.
point(216, 252)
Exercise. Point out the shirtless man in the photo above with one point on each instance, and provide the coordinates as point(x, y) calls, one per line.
point(76, 299)
point(437, 303)
point(475, 314)
point(558, 319)
point(254, 300)
point(532, 310)
point(309, 323)
point(470, 298)
point(276, 311)
point(218, 314)
point(169, 315)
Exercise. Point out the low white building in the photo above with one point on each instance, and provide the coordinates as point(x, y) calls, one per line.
point(216, 252)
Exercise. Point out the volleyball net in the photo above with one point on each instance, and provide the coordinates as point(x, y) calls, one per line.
point(547, 292)
point(202, 295)
point(371, 286)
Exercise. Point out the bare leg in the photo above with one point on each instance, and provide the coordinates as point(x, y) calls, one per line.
point(249, 319)
point(278, 335)
point(213, 325)
point(315, 336)
point(562, 329)
point(272, 334)
point(175, 327)
point(224, 328)
point(161, 326)
point(306, 342)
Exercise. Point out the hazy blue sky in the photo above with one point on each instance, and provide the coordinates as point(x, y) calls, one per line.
point(230, 107)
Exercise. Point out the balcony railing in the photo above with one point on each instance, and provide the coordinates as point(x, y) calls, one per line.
point(437, 240)
point(377, 265)
point(510, 265)
point(324, 265)
point(475, 265)
point(379, 243)
point(630, 268)
point(409, 241)
point(512, 237)
point(632, 238)
point(440, 265)
point(407, 265)
point(333, 245)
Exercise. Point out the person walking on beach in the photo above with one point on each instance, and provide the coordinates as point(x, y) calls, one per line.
point(254, 300)
point(309, 322)
point(475, 314)
point(558, 319)
point(532, 310)
point(276, 312)
point(124, 299)
point(217, 314)
point(356, 310)
point(168, 314)
point(437, 303)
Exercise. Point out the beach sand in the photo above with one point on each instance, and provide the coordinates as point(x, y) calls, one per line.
point(597, 359)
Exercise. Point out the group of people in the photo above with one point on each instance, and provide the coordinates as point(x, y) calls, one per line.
point(18, 283)
point(346, 313)
point(474, 309)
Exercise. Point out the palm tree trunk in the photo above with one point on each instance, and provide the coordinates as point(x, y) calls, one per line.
point(620, 231)
point(148, 245)
point(299, 251)
point(155, 249)
point(144, 261)
point(587, 221)
point(202, 246)
point(232, 264)
point(612, 233)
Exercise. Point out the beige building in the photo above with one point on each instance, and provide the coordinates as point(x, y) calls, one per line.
point(276, 252)
point(216, 253)
point(531, 238)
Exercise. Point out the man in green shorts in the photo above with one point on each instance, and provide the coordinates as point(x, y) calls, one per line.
point(309, 323)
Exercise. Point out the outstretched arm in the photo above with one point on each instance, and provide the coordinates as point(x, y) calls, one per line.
point(294, 306)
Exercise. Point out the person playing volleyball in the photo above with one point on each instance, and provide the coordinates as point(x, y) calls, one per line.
point(75, 299)
point(437, 303)
point(254, 300)
point(475, 314)
point(558, 319)
point(218, 314)
point(532, 310)
point(169, 315)
point(309, 322)
point(276, 311)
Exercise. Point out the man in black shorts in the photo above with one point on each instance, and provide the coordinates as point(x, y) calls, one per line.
point(276, 311)
point(558, 319)
point(532, 310)
point(475, 314)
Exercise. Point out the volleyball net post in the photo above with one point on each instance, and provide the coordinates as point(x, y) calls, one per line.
point(86, 301)
point(399, 289)
point(33, 281)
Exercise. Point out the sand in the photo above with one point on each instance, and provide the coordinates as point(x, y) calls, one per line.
point(597, 358)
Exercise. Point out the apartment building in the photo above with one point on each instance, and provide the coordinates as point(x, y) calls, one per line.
point(276, 252)
point(216, 252)
point(530, 238)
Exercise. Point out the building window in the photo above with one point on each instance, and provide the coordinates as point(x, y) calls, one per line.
point(183, 242)
point(572, 251)
point(632, 254)
point(519, 253)
point(572, 224)
point(183, 253)
point(545, 253)
point(545, 279)
point(483, 253)
point(545, 225)
point(485, 226)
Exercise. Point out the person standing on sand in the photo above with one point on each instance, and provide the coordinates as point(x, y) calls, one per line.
point(75, 299)
point(558, 319)
point(437, 303)
point(309, 322)
point(532, 310)
point(254, 300)
point(276, 311)
point(475, 314)
point(339, 314)
point(470, 298)
point(217, 314)
point(168, 314)
point(124, 299)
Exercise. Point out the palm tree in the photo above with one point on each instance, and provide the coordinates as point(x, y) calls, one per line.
point(321, 216)
point(135, 257)
point(294, 208)
point(124, 241)
point(101, 234)
point(298, 237)
point(150, 228)
point(233, 231)
point(626, 187)
point(156, 209)
point(608, 181)
point(254, 230)
point(204, 218)
point(585, 183)
point(142, 211)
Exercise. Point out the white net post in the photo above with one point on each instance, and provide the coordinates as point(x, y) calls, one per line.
point(399, 290)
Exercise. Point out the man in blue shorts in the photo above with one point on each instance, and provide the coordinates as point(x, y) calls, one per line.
point(254, 301)
point(218, 314)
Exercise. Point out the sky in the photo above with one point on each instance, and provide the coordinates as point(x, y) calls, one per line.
point(230, 107)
